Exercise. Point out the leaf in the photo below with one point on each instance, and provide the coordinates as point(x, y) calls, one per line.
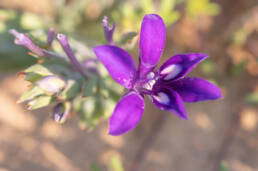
point(30, 94)
point(127, 37)
point(90, 86)
point(71, 90)
point(91, 112)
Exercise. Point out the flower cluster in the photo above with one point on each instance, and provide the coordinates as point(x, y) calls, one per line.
point(167, 87)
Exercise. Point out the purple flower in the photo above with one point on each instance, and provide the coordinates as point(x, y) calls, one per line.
point(167, 87)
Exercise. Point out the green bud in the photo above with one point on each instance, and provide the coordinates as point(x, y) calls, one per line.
point(39, 102)
point(38, 69)
point(30, 94)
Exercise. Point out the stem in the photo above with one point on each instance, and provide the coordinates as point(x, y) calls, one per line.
point(66, 47)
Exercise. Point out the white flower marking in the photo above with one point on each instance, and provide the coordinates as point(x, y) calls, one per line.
point(162, 98)
point(171, 71)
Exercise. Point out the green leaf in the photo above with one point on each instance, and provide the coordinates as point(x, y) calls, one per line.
point(71, 90)
point(39, 102)
point(30, 94)
point(91, 112)
point(90, 86)
point(127, 37)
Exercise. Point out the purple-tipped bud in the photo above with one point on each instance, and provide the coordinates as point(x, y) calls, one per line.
point(108, 31)
point(24, 40)
point(66, 47)
point(50, 36)
point(52, 84)
point(61, 111)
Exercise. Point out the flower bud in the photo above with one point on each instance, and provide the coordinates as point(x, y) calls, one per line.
point(50, 36)
point(52, 84)
point(108, 30)
point(61, 111)
point(24, 40)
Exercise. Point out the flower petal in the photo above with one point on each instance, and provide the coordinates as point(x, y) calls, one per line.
point(118, 62)
point(179, 65)
point(196, 89)
point(170, 100)
point(127, 114)
point(152, 42)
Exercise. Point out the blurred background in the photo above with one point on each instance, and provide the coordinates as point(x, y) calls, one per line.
point(219, 135)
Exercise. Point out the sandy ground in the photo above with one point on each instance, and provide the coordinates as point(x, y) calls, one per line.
point(32, 141)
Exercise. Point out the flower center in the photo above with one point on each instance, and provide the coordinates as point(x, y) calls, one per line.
point(150, 81)
point(145, 85)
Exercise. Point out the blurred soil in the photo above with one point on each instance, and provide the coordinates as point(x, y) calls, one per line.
point(216, 131)
point(223, 131)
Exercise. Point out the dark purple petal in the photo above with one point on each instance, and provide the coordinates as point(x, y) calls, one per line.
point(66, 47)
point(179, 65)
point(108, 31)
point(196, 89)
point(50, 36)
point(127, 114)
point(24, 40)
point(170, 100)
point(118, 62)
point(152, 42)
